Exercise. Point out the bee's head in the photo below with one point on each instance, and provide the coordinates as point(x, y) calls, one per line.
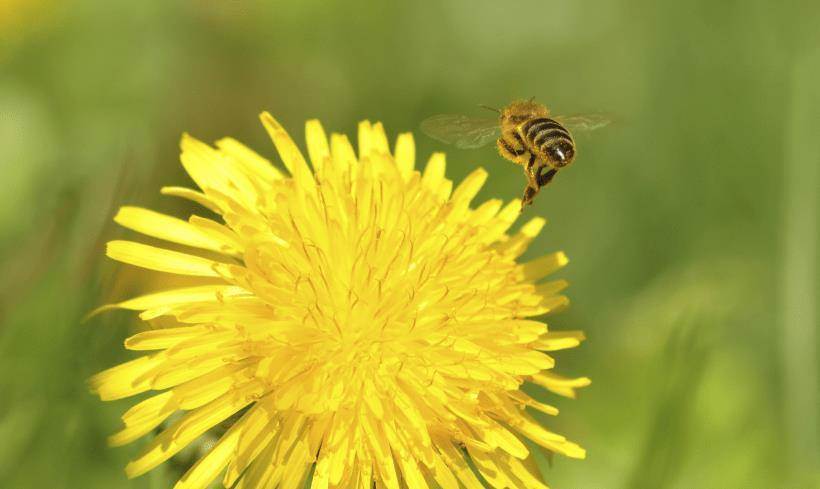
point(523, 110)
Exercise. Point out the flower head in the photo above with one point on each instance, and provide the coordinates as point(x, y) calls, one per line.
point(360, 315)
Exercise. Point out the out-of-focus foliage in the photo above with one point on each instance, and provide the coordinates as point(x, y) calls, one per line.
point(691, 223)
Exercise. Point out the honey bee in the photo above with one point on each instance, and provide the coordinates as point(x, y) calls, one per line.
point(525, 134)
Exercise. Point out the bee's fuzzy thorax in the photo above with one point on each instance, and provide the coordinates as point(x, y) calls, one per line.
point(519, 111)
point(525, 107)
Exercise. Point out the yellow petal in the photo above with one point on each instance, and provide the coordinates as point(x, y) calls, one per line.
point(434, 171)
point(485, 462)
point(372, 139)
point(252, 163)
point(133, 432)
point(288, 151)
point(296, 467)
point(411, 472)
point(455, 460)
point(551, 288)
point(548, 305)
point(507, 441)
point(160, 339)
point(226, 240)
point(160, 259)
point(342, 151)
point(387, 472)
point(189, 428)
point(530, 428)
point(371, 398)
point(187, 295)
point(150, 409)
point(541, 267)
point(515, 470)
point(533, 227)
point(202, 390)
point(379, 139)
point(559, 340)
point(122, 381)
point(176, 372)
point(375, 438)
point(405, 154)
point(560, 385)
point(164, 227)
point(364, 479)
point(211, 170)
point(205, 470)
point(259, 430)
point(143, 417)
point(262, 472)
point(442, 474)
point(318, 147)
point(518, 244)
point(469, 188)
point(365, 141)
point(496, 228)
point(192, 195)
point(523, 399)
point(485, 212)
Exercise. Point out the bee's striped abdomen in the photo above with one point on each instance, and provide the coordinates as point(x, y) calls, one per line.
point(549, 139)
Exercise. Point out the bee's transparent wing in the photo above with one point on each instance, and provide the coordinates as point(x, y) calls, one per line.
point(462, 131)
point(584, 122)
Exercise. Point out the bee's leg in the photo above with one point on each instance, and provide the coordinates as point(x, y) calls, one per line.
point(520, 141)
point(546, 178)
point(532, 188)
point(536, 181)
point(529, 194)
point(508, 148)
point(509, 151)
point(532, 168)
point(530, 163)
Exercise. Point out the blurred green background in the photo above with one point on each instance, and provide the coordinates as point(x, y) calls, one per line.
point(691, 223)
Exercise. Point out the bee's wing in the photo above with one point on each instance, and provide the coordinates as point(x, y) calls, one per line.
point(461, 130)
point(584, 122)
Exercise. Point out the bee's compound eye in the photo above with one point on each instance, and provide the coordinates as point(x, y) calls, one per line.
point(561, 153)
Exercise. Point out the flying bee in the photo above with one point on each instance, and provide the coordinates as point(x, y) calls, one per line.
point(525, 134)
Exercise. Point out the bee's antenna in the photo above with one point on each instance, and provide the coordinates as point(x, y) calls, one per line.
point(489, 108)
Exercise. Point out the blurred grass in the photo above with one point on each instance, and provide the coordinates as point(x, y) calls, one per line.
point(799, 292)
point(679, 220)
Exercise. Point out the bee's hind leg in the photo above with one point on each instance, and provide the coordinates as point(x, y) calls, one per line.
point(509, 151)
point(531, 190)
point(530, 163)
point(546, 177)
point(533, 187)
point(529, 194)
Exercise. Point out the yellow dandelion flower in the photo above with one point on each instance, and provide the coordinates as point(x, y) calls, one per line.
point(369, 325)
